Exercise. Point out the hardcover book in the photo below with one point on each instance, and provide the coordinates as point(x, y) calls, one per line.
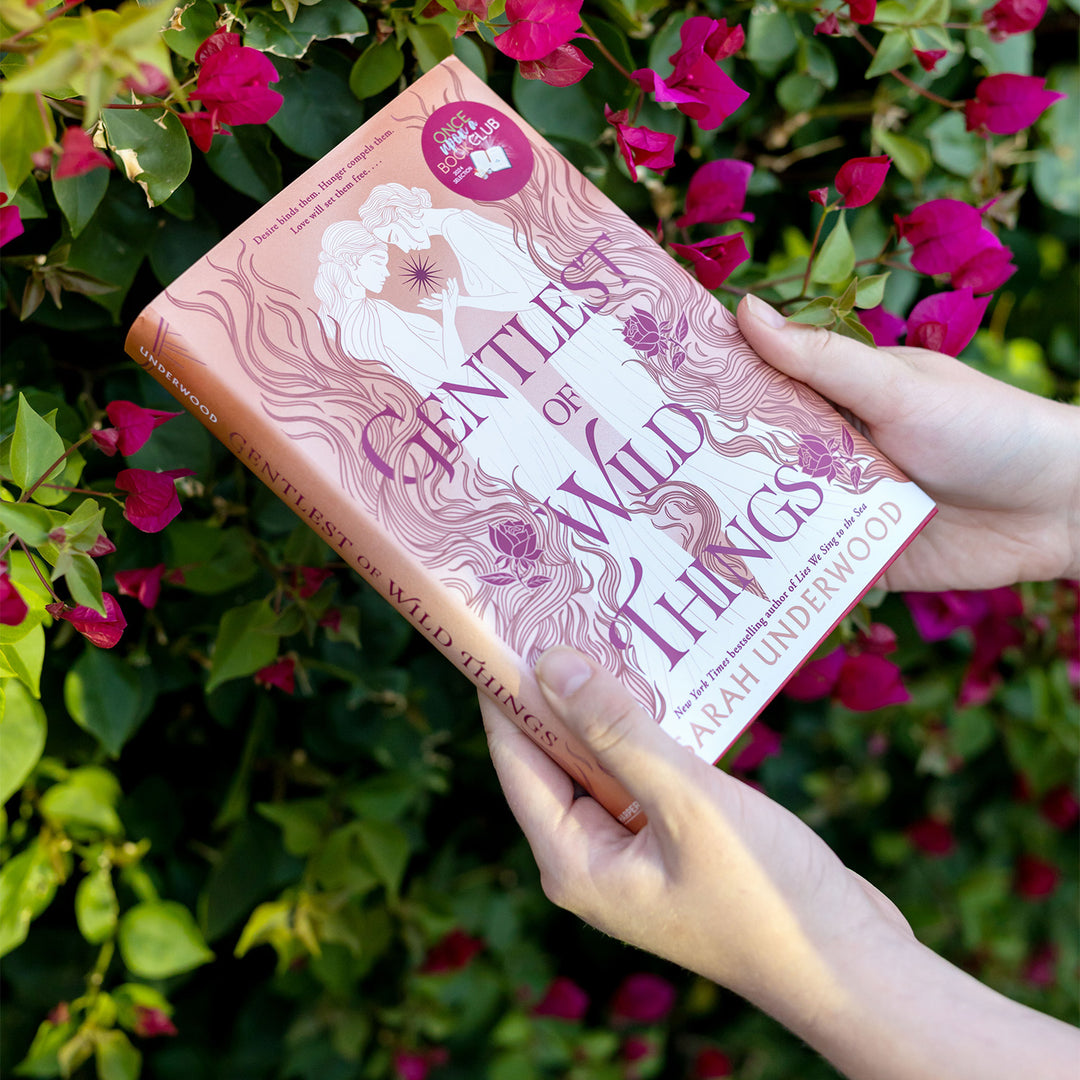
point(525, 424)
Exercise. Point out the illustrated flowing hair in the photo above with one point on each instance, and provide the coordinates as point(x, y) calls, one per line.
point(389, 202)
point(343, 243)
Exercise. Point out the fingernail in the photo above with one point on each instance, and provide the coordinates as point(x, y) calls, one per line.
point(765, 313)
point(562, 671)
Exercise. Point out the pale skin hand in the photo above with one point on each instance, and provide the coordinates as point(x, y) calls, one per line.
point(1002, 465)
point(729, 884)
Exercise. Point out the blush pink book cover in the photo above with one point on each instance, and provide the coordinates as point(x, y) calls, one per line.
point(526, 425)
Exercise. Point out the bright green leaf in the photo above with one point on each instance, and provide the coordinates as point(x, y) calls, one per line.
point(96, 906)
point(84, 803)
point(30, 523)
point(35, 448)
point(770, 37)
point(819, 312)
point(115, 1057)
point(22, 656)
point(954, 147)
point(871, 290)
point(912, 159)
point(159, 939)
point(835, 260)
point(377, 68)
point(431, 43)
point(22, 735)
point(83, 578)
point(244, 643)
point(28, 883)
point(893, 51)
point(24, 130)
point(154, 149)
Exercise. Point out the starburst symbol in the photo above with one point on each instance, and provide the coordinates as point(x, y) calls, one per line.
point(421, 274)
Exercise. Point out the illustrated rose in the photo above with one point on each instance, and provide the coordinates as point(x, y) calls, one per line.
point(642, 333)
point(816, 457)
point(515, 539)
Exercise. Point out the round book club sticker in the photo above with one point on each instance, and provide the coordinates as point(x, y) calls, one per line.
point(477, 151)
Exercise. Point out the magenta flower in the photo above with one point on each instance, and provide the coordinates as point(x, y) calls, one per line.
point(144, 585)
point(538, 27)
point(78, 155)
point(132, 425)
point(452, 953)
point(152, 1023)
point(860, 179)
point(1041, 966)
point(636, 1048)
point(1013, 17)
point(308, 580)
point(1036, 878)
point(931, 836)
point(515, 540)
point(150, 82)
point(942, 234)
point(563, 1000)
point(939, 615)
point(641, 145)
point(820, 196)
point(218, 40)
point(563, 66)
point(717, 193)
point(764, 744)
point(816, 678)
point(1060, 808)
point(711, 1064)
point(989, 267)
point(13, 608)
point(281, 673)
point(947, 321)
point(829, 25)
point(152, 502)
point(10, 221)
point(886, 328)
point(818, 457)
point(642, 332)
point(643, 999)
point(714, 259)
point(928, 58)
point(1005, 104)
point(857, 675)
point(697, 87)
point(862, 11)
point(417, 1064)
point(101, 630)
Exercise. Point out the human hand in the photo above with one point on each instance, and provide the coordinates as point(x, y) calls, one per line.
point(1003, 465)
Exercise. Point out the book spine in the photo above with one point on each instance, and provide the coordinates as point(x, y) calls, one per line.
point(359, 539)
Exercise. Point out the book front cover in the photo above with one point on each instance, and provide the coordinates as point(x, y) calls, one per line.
point(544, 410)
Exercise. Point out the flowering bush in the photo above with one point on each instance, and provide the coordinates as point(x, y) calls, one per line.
point(249, 825)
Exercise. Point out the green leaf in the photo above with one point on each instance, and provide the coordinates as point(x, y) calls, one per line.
point(797, 92)
point(154, 149)
point(268, 922)
point(245, 161)
point(377, 68)
point(770, 37)
point(849, 326)
point(871, 290)
point(431, 43)
point(846, 301)
point(30, 523)
point(85, 525)
point(911, 158)
point(220, 559)
point(304, 123)
point(955, 148)
point(819, 312)
point(28, 883)
point(96, 906)
point(83, 578)
point(835, 260)
point(84, 803)
point(302, 822)
point(79, 197)
point(272, 32)
point(564, 111)
point(159, 939)
point(387, 847)
point(22, 656)
point(244, 643)
point(107, 697)
point(893, 51)
point(42, 1058)
point(197, 22)
point(35, 448)
point(24, 130)
point(115, 1057)
point(22, 734)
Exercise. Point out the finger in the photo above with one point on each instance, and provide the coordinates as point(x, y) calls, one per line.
point(873, 383)
point(631, 745)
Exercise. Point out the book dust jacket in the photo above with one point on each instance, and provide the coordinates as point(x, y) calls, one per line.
point(494, 395)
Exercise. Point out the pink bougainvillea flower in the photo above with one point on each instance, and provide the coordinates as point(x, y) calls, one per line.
point(201, 127)
point(417, 1064)
point(860, 179)
point(636, 1048)
point(538, 27)
point(641, 146)
point(868, 681)
point(820, 196)
point(234, 83)
point(939, 615)
point(989, 267)
point(308, 580)
point(218, 40)
point(697, 87)
point(942, 233)
point(829, 25)
point(152, 502)
point(150, 82)
point(78, 155)
point(1007, 103)
point(885, 327)
point(643, 999)
point(281, 673)
point(13, 608)
point(101, 630)
point(452, 953)
point(711, 1064)
point(101, 546)
point(717, 193)
point(1060, 808)
point(1035, 877)
point(143, 584)
point(931, 836)
point(862, 11)
point(132, 425)
point(563, 999)
point(1041, 967)
point(10, 221)
point(1013, 17)
point(928, 58)
point(152, 1023)
point(563, 66)
point(714, 259)
point(994, 633)
point(946, 322)
point(816, 678)
point(764, 743)
point(331, 619)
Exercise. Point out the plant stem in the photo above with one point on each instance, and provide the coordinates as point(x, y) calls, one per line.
point(896, 73)
point(49, 471)
point(813, 247)
point(6, 46)
point(34, 566)
point(604, 51)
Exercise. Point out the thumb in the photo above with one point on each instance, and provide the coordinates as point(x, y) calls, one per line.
point(871, 382)
point(627, 742)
